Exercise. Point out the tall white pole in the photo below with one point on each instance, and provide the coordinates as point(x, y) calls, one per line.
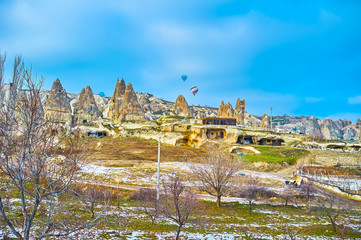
point(271, 118)
point(158, 186)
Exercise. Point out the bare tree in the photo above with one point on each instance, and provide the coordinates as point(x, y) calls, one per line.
point(287, 194)
point(251, 189)
point(177, 203)
point(216, 174)
point(332, 206)
point(308, 188)
point(91, 194)
point(29, 159)
point(149, 202)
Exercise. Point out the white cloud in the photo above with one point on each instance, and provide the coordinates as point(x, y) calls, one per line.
point(313, 99)
point(44, 28)
point(329, 19)
point(354, 100)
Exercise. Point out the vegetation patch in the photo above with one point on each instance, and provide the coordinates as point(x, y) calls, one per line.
point(277, 155)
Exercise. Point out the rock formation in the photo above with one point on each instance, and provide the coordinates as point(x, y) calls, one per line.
point(86, 109)
point(265, 122)
point(181, 106)
point(358, 123)
point(251, 121)
point(116, 101)
point(130, 110)
point(312, 128)
point(350, 133)
point(220, 109)
point(225, 110)
point(330, 130)
point(57, 107)
point(239, 111)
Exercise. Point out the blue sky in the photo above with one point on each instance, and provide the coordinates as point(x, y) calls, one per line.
point(300, 57)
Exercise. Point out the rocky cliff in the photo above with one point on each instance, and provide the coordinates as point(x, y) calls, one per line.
point(126, 105)
point(86, 109)
point(130, 110)
point(239, 111)
point(323, 129)
point(181, 106)
point(58, 103)
point(116, 100)
point(265, 122)
point(225, 110)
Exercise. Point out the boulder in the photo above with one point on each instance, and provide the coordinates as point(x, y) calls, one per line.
point(239, 111)
point(86, 109)
point(130, 110)
point(57, 106)
point(181, 106)
point(116, 100)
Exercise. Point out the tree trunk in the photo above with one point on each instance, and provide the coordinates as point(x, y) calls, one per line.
point(250, 207)
point(286, 201)
point(178, 232)
point(219, 201)
point(333, 224)
point(92, 209)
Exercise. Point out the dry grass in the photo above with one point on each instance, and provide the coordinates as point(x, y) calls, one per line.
point(128, 152)
point(329, 158)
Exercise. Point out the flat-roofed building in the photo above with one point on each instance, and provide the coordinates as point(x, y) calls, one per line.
point(219, 121)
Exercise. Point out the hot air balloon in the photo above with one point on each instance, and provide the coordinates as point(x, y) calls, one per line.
point(194, 90)
point(102, 94)
point(184, 77)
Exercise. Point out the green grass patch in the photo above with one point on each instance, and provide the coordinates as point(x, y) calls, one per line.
point(272, 154)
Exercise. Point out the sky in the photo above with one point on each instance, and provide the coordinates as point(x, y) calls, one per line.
point(298, 57)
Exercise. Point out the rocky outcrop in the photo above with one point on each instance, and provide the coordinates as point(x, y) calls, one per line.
point(117, 99)
point(350, 133)
point(330, 130)
point(181, 106)
point(130, 110)
point(251, 121)
point(239, 111)
point(265, 122)
point(86, 109)
point(358, 122)
point(341, 123)
point(225, 110)
point(220, 109)
point(57, 106)
point(312, 128)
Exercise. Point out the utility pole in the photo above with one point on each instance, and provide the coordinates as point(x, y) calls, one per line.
point(158, 189)
point(271, 118)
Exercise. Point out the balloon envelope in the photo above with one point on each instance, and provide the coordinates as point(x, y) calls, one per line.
point(102, 94)
point(194, 90)
point(184, 77)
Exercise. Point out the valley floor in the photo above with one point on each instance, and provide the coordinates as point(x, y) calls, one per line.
point(270, 219)
point(125, 165)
